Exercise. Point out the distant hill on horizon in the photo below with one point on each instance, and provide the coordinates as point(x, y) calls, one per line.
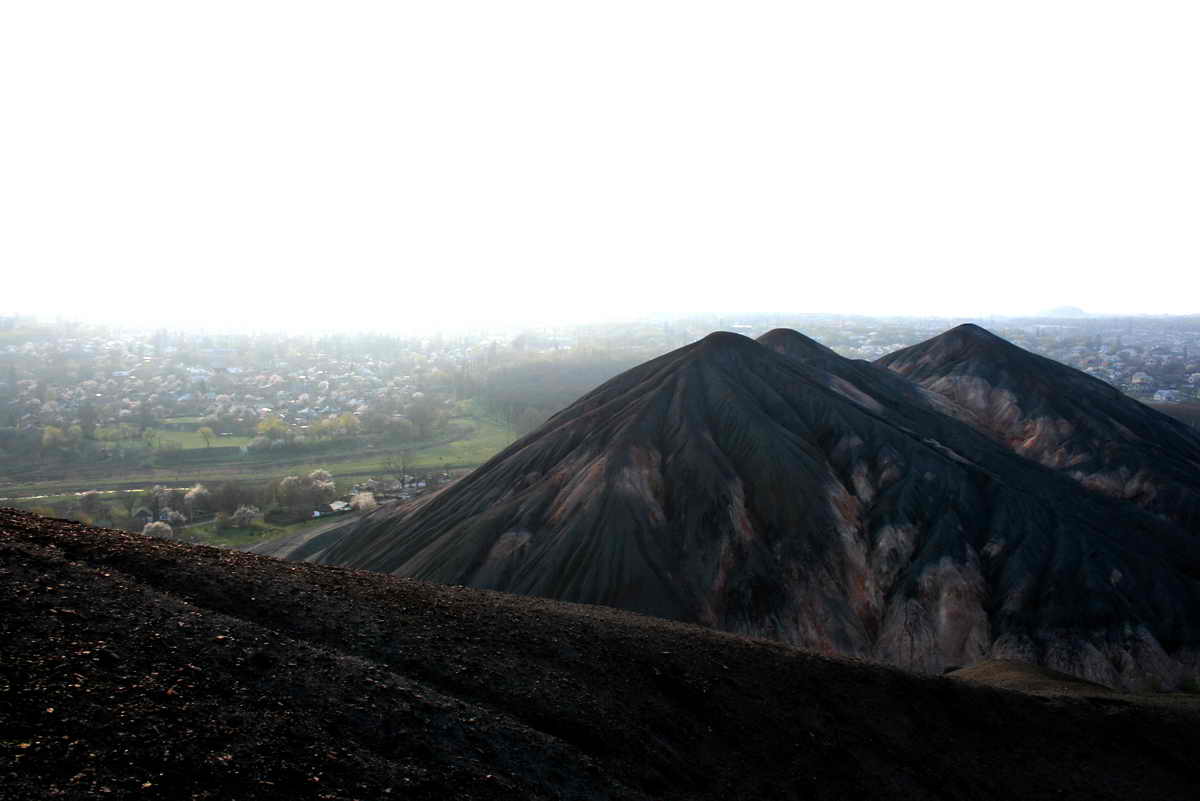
point(1065, 313)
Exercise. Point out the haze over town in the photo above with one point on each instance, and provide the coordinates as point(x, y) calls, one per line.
point(418, 167)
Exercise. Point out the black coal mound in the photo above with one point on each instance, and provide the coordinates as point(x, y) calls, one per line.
point(784, 492)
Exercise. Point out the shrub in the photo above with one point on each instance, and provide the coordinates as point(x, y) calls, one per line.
point(244, 516)
point(89, 503)
point(363, 501)
point(312, 490)
point(161, 530)
point(198, 499)
point(118, 517)
point(285, 516)
point(229, 495)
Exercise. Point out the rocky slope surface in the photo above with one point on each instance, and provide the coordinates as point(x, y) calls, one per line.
point(1063, 418)
point(143, 669)
point(815, 501)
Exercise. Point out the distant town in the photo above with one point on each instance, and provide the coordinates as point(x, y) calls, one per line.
point(234, 439)
point(72, 383)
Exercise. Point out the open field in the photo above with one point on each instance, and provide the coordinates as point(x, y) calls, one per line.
point(60, 498)
point(190, 439)
point(358, 461)
point(488, 440)
point(257, 532)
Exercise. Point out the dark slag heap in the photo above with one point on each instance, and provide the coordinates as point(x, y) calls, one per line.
point(1063, 418)
point(776, 489)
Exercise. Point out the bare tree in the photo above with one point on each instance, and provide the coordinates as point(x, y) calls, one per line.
point(397, 466)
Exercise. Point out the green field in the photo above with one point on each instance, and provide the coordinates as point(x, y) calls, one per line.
point(241, 537)
point(253, 534)
point(489, 439)
point(357, 461)
point(204, 533)
point(190, 439)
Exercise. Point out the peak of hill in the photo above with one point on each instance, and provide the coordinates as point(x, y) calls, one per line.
point(139, 668)
point(827, 505)
point(972, 331)
point(792, 343)
point(723, 339)
point(861, 382)
point(968, 341)
point(1062, 418)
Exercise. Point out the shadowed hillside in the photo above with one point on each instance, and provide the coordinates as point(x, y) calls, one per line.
point(815, 501)
point(139, 668)
point(859, 381)
point(1063, 418)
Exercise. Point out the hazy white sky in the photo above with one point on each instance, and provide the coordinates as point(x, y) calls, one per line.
point(410, 164)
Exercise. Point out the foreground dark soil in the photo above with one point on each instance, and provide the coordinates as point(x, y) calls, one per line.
point(139, 668)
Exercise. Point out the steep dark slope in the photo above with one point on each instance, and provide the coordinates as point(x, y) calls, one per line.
point(875, 388)
point(729, 485)
point(137, 668)
point(1063, 418)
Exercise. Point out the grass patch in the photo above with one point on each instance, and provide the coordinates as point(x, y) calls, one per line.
point(45, 500)
point(357, 462)
point(253, 534)
point(488, 440)
point(190, 439)
point(234, 537)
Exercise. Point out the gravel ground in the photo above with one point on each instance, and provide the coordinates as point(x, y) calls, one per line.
point(140, 668)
